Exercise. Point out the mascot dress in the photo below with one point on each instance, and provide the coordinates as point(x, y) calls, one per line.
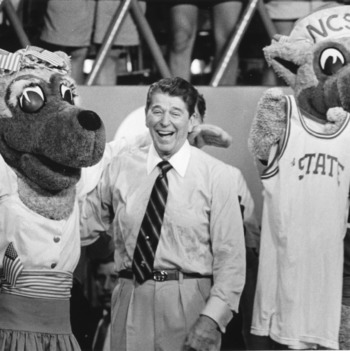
point(304, 139)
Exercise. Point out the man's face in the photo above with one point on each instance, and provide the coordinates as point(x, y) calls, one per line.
point(106, 279)
point(169, 123)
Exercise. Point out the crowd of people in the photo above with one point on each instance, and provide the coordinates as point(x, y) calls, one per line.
point(186, 33)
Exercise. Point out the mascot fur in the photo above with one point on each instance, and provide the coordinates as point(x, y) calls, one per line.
point(304, 141)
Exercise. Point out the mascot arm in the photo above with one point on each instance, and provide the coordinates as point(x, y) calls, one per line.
point(208, 134)
point(268, 125)
point(90, 176)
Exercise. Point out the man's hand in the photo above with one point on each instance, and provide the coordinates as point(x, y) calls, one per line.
point(208, 134)
point(204, 336)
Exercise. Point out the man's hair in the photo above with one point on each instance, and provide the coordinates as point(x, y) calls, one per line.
point(95, 263)
point(201, 106)
point(174, 87)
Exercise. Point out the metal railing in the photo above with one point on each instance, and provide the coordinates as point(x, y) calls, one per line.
point(146, 32)
point(10, 12)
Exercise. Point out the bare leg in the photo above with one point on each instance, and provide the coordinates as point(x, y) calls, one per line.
point(109, 70)
point(225, 18)
point(183, 31)
point(78, 56)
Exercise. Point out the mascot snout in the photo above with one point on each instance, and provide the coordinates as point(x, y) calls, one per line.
point(65, 144)
point(74, 140)
point(89, 120)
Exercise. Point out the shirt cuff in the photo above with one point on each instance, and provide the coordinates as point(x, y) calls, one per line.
point(219, 311)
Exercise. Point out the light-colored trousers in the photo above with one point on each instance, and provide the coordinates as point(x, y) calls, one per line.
point(156, 316)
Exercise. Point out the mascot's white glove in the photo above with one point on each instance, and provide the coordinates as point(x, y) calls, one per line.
point(208, 134)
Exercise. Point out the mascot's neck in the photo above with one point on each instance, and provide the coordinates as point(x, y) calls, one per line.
point(56, 206)
point(312, 117)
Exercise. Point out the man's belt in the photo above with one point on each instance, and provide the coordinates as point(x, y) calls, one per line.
point(163, 275)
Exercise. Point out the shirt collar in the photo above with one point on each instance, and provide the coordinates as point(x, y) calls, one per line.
point(178, 161)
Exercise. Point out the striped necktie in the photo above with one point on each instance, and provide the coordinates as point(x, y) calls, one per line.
point(148, 238)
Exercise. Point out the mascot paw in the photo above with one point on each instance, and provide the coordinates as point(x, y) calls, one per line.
point(335, 119)
point(272, 95)
point(207, 134)
point(269, 123)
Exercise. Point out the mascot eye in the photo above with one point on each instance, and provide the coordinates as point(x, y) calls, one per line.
point(32, 99)
point(331, 61)
point(67, 94)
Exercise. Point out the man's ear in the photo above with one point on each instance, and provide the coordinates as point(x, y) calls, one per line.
point(192, 123)
point(146, 122)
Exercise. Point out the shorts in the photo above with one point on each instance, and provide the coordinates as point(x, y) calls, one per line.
point(79, 23)
point(292, 10)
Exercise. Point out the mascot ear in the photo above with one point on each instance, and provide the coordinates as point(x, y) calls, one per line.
point(285, 57)
point(208, 134)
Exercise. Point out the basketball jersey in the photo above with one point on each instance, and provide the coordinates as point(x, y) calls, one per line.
point(306, 186)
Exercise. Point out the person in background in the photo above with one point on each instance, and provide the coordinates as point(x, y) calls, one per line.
point(105, 279)
point(183, 33)
point(73, 26)
point(181, 293)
